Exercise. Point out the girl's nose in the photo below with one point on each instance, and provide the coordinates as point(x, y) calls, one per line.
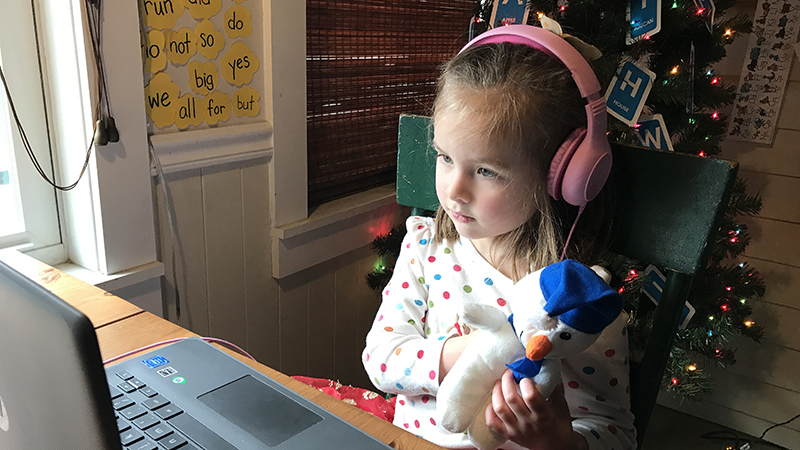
point(458, 188)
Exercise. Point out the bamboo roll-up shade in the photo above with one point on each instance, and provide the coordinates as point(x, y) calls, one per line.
point(367, 62)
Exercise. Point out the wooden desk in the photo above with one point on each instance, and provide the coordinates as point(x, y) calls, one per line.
point(122, 327)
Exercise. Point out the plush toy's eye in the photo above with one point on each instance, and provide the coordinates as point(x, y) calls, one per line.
point(565, 336)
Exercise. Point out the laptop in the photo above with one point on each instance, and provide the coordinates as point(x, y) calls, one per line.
point(56, 394)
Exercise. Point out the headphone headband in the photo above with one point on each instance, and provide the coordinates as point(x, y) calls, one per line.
point(548, 42)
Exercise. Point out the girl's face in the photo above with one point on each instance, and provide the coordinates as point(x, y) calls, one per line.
point(486, 189)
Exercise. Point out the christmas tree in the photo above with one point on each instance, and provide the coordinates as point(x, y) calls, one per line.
point(689, 97)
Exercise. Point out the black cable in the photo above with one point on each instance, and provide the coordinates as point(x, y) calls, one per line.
point(106, 129)
point(777, 425)
point(29, 149)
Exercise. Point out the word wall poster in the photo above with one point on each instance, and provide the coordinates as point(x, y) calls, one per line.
point(200, 62)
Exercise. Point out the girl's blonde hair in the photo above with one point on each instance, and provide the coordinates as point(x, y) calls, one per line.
point(528, 103)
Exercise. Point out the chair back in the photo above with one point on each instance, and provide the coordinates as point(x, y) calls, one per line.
point(668, 209)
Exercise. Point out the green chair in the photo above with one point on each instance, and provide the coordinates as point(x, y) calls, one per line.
point(668, 207)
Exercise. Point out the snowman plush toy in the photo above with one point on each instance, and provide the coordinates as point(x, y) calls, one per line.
point(557, 311)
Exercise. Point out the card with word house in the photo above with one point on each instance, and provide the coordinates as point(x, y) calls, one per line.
point(627, 93)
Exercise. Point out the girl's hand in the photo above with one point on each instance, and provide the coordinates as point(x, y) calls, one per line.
point(452, 350)
point(529, 420)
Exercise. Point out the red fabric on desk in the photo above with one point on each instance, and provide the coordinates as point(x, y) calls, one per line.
point(362, 399)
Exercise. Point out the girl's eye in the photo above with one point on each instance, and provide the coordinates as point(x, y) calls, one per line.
point(488, 173)
point(445, 159)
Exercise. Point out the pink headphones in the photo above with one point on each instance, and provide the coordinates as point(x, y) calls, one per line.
point(582, 163)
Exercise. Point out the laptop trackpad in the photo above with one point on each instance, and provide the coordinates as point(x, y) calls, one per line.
point(268, 415)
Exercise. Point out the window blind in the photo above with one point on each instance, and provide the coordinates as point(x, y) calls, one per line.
point(367, 62)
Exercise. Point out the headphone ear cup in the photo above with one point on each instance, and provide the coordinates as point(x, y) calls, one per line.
point(587, 172)
point(560, 162)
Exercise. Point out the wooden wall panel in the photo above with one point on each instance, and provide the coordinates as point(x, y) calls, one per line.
point(293, 325)
point(313, 323)
point(184, 195)
point(222, 203)
point(778, 159)
point(790, 109)
point(767, 362)
point(368, 303)
point(781, 325)
point(783, 282)
point(740, 418)
point(774, 189)
point(774, 240)
point(321, 323)
point(261, 290)
point(348, 367)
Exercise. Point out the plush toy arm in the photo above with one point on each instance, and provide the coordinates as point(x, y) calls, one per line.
point(467, 385)
point(483, 317)
point(548, 377)
point(483, 437)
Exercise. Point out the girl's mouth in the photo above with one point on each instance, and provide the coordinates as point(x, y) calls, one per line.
point(458, 217)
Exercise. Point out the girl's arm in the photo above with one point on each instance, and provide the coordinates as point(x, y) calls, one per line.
point(403, 352)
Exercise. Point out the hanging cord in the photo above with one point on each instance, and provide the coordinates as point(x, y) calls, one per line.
point(105, 127)
point(171, 221)
point(104, 130)
point(24, 137)
point(572, 230)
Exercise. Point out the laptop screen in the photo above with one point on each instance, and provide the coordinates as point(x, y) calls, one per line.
point(53, 389)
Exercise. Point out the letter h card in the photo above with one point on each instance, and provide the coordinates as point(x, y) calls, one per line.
point(627, 93)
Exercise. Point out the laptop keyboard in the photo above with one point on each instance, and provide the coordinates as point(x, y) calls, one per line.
point(147, 420)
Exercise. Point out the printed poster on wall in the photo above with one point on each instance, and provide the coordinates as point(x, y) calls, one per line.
point(765, 71)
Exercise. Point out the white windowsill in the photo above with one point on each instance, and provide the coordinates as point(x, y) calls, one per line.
point(333, 229)
point(114, 281)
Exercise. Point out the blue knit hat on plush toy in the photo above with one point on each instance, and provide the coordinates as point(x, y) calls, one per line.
point(579, 297)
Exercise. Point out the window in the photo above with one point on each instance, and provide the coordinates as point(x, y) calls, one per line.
point(28, 211)
point(367, 62)
point(27, 202)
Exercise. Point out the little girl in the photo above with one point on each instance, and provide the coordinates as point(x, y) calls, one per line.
point(501, 112)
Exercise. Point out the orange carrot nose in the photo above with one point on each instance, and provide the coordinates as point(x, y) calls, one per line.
point(538, 347)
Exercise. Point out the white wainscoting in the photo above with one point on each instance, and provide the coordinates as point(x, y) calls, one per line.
point(311, 322)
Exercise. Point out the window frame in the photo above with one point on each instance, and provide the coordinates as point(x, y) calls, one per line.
point(108, 220)
point(20, 56)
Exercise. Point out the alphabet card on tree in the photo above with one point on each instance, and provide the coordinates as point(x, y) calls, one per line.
point(201, 57)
